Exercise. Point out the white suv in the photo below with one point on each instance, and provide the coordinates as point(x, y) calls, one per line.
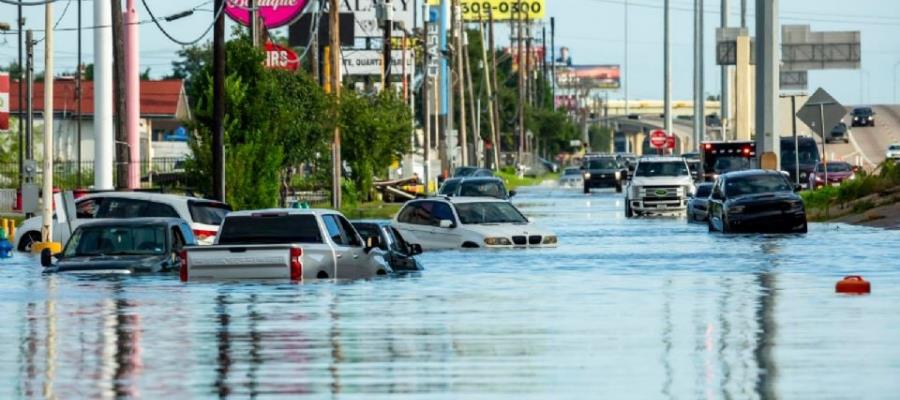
point(204, 216)
point(659, 185)
point(469, 222)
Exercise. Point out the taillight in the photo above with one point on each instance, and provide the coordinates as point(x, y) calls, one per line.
point(183, 272)
point(747, 150)
point(296, 265)
point(202, 234)
point(708, 146)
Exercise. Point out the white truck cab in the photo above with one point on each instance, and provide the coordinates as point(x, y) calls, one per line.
point(660, 185)
point(290, 244)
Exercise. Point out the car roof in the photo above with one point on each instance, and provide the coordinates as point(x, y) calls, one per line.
point(288, 211)
point(461, 200)
point(704, 184)
point(476, 178)
point(133, 222)
point(147, 196)
point(379, 222)
point(751, 172)
point(652, 158)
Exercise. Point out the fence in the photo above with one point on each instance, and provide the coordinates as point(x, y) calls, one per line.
point(72, 175)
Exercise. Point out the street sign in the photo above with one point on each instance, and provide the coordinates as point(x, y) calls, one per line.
point(368, 62)
point(670, 142)
point(4, 101)
point(659, 139)
point(280, 57)
point(821, 112)
point(273, 15)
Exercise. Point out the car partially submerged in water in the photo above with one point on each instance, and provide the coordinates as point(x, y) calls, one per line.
point(119, 246)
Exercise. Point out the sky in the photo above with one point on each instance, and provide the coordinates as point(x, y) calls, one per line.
point(592, 29)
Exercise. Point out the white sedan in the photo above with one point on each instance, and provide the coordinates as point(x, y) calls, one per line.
point(572, 177)
point(469, 222)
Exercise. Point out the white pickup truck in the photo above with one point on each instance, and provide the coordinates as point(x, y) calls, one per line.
point(290, 244)
point(660, 185)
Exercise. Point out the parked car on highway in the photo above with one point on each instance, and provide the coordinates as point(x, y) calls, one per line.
point(123, 246)
point(659, 185)
point(604, 171)
point(863, 116)
point(893, 152)
point(476, 187)
point(469, 222)
point(756, 201)
point(699, 203)
point(398, 253)
point(204, 216)
point(837, 171)
point(571, 177)
point(840, 133)
point(285, 244)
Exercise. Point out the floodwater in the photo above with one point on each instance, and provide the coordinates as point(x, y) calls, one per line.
point(643, 309)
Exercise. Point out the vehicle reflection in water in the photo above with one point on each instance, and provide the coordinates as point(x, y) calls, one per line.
point(643, 308)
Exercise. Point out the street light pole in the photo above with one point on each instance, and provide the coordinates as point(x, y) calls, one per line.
point(625, 64)
point(218, 127)
point(667, 74)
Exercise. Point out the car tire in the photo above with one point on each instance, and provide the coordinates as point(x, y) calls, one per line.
point(27, 240)
point(629, 213)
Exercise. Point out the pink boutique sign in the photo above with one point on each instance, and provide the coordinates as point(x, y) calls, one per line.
point(274, 13)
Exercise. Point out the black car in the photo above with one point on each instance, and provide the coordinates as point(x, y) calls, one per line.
point(807, 155)
point(698, 204)
point(398, 253)
point(603, 172)
point(756, 201)
point(840, 133)
point(863, 116)
point(476, 187)
point(123, 246)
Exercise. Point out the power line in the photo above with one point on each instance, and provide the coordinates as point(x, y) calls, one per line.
point(216, 16)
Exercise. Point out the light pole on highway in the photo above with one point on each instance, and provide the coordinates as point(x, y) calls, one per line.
point(625, 66)
point(667, 68)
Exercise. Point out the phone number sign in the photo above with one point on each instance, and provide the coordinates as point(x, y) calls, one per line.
point(502, 10)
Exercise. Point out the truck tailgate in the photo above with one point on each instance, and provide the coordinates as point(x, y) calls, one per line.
point(237, 262)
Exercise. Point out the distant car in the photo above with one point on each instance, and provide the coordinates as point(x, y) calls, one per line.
point(476, 187)
point(120, 246)
point(840, 133)
point(398, 253)
point(699, 203)
point(464, 172)
point(756, 201)
point(604, 171)
point(893, 152)
point(469, 222)
point(571, 177)
point(838, 172)
point(204, 216)
point(863, 116)
point(629, 160)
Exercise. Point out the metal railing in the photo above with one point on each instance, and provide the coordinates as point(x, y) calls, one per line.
point(72, 175)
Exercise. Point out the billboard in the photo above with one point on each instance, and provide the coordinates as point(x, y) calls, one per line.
point(502, 10)
point(589, 77)
point(365, 19)
point(4, 101)
point(368, 62)
point(274, 13)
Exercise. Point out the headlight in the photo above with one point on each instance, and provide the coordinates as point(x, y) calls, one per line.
point(871, 118)
point(819, 178)
point(587, 175)
point(618, 175)
point(852, 176)
point(550, 239)
point(736, 209)
point(497, 241)
point(803, 175)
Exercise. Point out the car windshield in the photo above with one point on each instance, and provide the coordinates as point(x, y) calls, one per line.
point(489, 213)
point(483, 189)
point(117, 240)
point(862, 111)
point(449, 187)
point(894, 147)
point(834, 167)
point(208, 213)
point(662, 168)
point(756, 184)
point(602, 163)
point(728, 164)
point(464, 171)
point(572, 171)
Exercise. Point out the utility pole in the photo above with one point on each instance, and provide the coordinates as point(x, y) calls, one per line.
point(445, 117)
point(314, 43)
point(47, 191)
point(426, 87)
point(725, 93)
point(767, 84)
point(699, 101)
point(553, 62)
point(335, 44)
point(461, 83)
point(495, 138)
point(29, 96)
point(386, 27)
point(495, 102)
point(103, 107)
point(743, 13)
point(254, 23)
point(473, 109)
point(521, 87)
point(123, 155)
point(78, 100)
point(625, 66)
point(21, 22)
point(132, 94)
point(218, 127)
point(667, 68)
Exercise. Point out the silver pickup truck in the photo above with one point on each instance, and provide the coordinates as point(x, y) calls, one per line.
point(290, 244)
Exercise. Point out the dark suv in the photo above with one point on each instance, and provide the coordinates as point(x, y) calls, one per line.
point(755, 201)
point(863, 116)
point(602, 172)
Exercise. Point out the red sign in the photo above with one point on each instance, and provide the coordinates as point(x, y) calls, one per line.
point(659, 138)
point(4, 101)
point(280, 57)
point(274, 13)
point(670, 142)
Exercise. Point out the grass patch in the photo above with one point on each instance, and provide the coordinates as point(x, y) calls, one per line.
point(820, 202)
point(371, 210)
point(514, 182)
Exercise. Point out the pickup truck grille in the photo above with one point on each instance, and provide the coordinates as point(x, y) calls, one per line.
point(662, 192)
point(519, 240)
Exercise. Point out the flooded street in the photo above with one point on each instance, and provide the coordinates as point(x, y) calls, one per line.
point(642, 308)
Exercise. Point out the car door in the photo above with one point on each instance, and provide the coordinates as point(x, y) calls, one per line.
point(414, 222)
point(443, 237)
point(348, 247)
point(716, 204)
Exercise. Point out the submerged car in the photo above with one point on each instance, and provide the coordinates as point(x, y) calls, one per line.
point(604, 172)
point(398, 253)
point(149, 245)
point(756, 201)
point(699, 202)
point(469, 222)
point(571, 177)
point(832, 173)
point(476, 187)
point(660, 185)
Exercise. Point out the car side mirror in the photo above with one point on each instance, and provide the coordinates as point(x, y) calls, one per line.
point(46, 258)
point(446, 223)
point(415, 249)
point(372, 242)
point(512, 193)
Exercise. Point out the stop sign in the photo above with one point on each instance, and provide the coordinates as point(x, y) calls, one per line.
point(658, 138)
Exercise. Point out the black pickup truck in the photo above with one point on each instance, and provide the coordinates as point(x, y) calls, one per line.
point(604, 171)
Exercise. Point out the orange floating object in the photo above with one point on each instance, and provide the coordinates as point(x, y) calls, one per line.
point(853, 284)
